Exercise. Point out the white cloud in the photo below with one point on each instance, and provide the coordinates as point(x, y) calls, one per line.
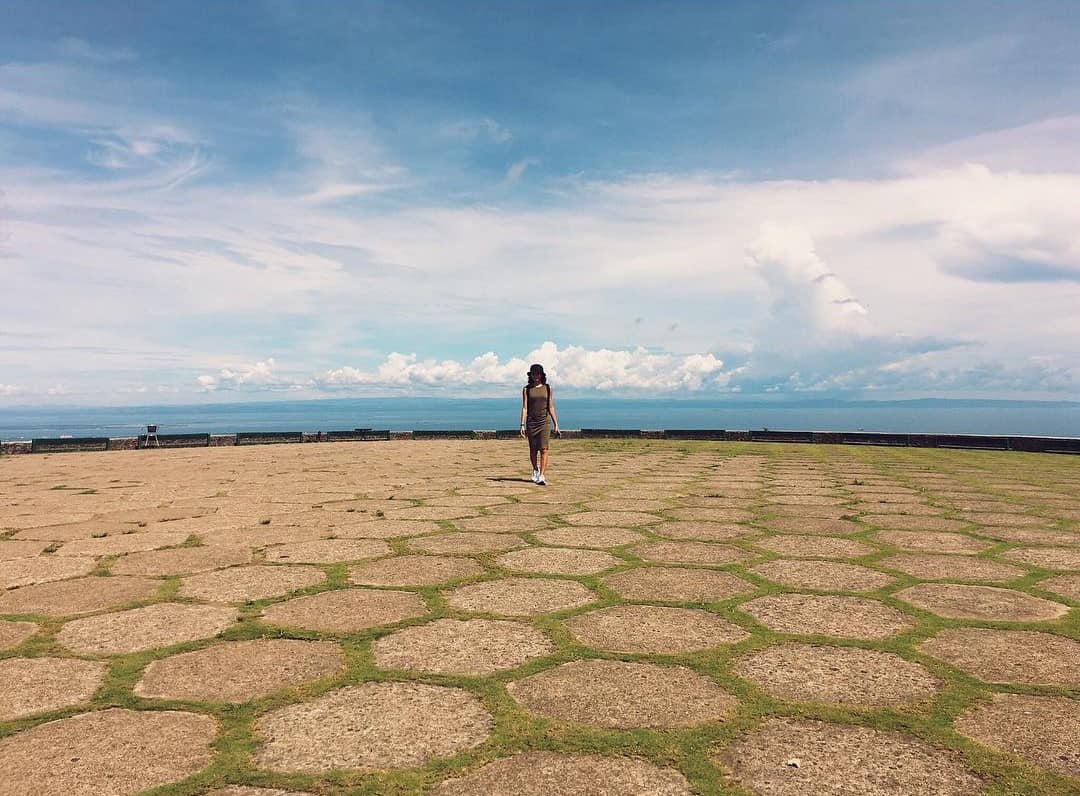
point(8, 390)
point(846, 276)
point(572, 367)
point(262, 375)
point(804, 293)
point(1009, 244)
point(639, 369)
point(517, 170)
point(973, 376)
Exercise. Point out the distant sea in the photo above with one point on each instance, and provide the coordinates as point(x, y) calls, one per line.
point(1033, 418)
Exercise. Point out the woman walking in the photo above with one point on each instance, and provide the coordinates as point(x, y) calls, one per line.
point(537, 415)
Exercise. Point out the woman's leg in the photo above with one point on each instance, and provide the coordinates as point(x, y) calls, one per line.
point(543, 443)
point(534, 451)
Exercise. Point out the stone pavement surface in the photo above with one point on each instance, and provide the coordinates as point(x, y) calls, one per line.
point(662, 618)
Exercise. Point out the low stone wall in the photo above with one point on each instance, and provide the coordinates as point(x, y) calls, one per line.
point(966, 441)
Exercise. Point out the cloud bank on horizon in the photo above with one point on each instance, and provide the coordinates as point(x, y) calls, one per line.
point(312, 199)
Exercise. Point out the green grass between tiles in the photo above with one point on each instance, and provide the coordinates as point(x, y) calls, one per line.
point(690, 750)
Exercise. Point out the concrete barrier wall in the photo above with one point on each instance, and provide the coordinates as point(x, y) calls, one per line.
point(965, 441)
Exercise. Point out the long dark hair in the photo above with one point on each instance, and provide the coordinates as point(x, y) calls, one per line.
point(528, 376)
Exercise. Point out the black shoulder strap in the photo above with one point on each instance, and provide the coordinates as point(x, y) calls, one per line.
point(549, 398)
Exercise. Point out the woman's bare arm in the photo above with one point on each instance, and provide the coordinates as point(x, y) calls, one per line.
point(551, 409)
point(524, 408)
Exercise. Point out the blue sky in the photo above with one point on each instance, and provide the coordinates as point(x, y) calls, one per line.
point(253, 200)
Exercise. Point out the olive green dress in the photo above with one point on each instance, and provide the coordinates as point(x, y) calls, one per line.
point(538, 421)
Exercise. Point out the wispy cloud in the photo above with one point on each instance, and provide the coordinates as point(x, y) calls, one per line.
point(1044, 145)
point(80, 49)
point(933, 77)
point(518, 169)
point(88, 98)
point(341, 157)
point(347, 243)
point(474, 129)
point(876, 299)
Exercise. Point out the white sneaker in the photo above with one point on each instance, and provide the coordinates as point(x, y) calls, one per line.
point(535, 476)
point(540, 480)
